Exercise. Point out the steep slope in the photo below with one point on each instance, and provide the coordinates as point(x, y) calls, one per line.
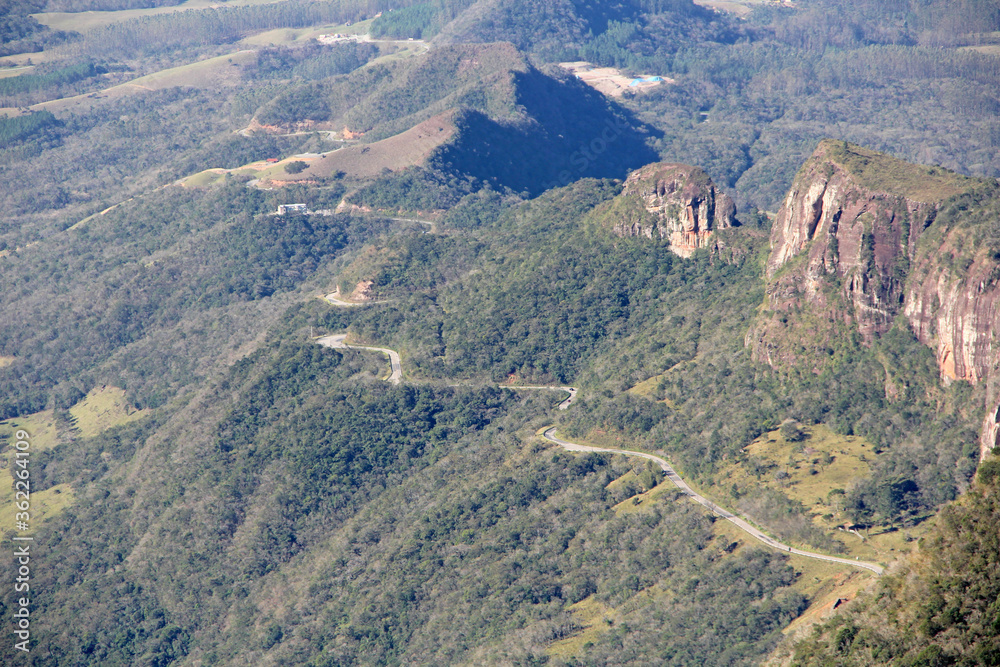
point(564, 131)
point(413, 147)
point(670, 201)
point(290, 508)
point(940, 608)
point(863, 238)
point(387, 97)
point(479, 111)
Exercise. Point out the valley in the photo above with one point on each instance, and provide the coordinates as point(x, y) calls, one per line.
point(631, 255)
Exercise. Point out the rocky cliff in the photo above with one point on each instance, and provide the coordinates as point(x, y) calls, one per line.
point(863, 238)
point(672, 201)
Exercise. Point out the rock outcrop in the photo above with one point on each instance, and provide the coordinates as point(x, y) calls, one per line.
point(675, 202)
point(863, 238)
point(847, 232)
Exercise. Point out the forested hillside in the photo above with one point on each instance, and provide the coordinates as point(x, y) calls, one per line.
point(211, 485)
point(940, 609)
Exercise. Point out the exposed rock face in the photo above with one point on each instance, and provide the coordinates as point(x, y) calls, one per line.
point(849, 234)
point(363, 291)
point(681, 204)
point(855, 256)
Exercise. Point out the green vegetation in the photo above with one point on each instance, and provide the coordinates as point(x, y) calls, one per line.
point(312, 61)
point(22, 33)
point(881, 172)
point(25, 83)
point(163, 33)
point(940, 609)
point(357, 449)
point(415, 22)
point(18, 128)
point(106, 5)
point(250, 497)
point(102, 409)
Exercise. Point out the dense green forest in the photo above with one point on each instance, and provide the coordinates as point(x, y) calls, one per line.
point(276, 502)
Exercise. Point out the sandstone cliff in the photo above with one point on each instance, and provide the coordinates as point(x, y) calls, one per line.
point(675, 202)
point(863, 238)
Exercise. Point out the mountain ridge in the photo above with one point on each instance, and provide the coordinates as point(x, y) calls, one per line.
point(863, 238)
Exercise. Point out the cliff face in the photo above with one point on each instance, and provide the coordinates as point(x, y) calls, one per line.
point(863, 238)
point(849, 235)
point(678, 202)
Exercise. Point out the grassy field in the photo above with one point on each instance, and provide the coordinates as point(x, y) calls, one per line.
point(988, 49)
point(822, 462)
point(407, 148)
point(84, 22)
point(6, 361)
point(262, 170)
point(209, 73)
point(103, 408)
point(879, 171)
point(823, 583)
point(44, 432)
point(813, 471)
point(292, 35)
point(641, 502)
point(40, 425)
point(30, 59)
point(6, 72)
point(596, 618)
point(647, 388)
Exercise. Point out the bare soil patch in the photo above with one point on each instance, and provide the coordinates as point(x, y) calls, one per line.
point(412, 147)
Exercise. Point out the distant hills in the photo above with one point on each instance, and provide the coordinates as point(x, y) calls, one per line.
point(500, 120)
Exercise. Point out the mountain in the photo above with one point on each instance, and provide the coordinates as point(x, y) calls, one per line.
point(863, 239)
point(479, 111)
point(672, 201)
point(211, 483)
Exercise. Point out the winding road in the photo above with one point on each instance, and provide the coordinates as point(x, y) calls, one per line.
point(336, 341)
point(562, 406)
point(672, 475)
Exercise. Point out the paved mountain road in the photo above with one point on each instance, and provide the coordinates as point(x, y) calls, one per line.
point(337, 342)
point(562, 406)
point(672, 475)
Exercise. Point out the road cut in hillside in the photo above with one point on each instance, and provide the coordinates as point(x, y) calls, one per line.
point(337, 342)
point(672, 475)
point(562, 406)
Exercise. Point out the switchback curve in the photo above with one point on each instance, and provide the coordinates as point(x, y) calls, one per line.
point(336, 341)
